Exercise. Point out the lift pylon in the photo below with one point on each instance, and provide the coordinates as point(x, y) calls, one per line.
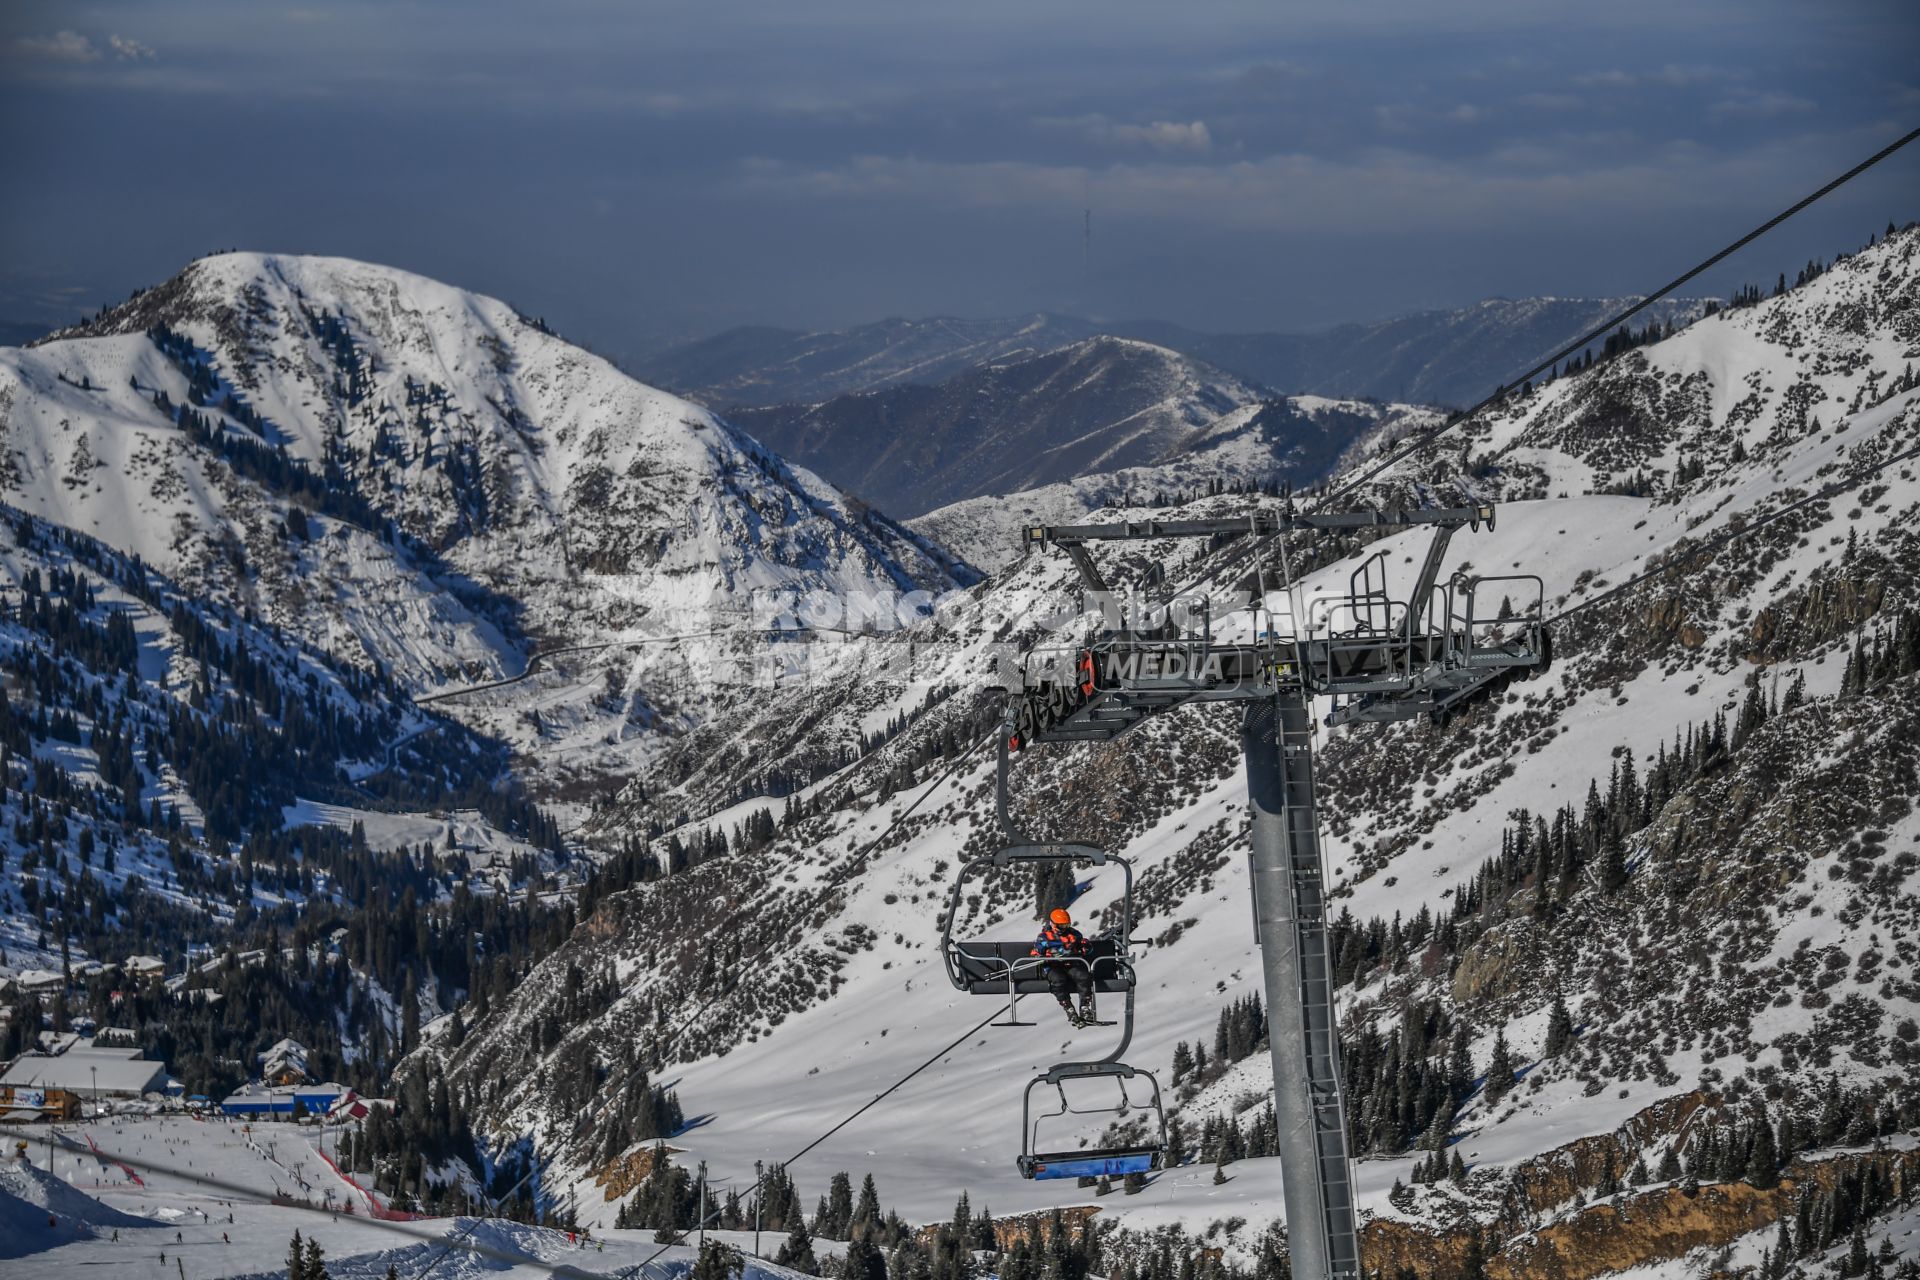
point(1378, 658)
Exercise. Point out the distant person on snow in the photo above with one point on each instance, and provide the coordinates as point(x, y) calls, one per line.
point(1070, 969)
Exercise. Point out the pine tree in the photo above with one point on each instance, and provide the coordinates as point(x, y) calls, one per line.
point(315, 1264)
point(1559, 1028)
point(1460, 1067)
point(796, 1252)
point(1763, 1165)
point(864, 1260)
point(719, 1261)
point(1613, 864)
point(866, 1212)
point(1858, 1259)
point(1499, 1069)
point(1176, 1143)
point(296, 1259)
point(839, 1207)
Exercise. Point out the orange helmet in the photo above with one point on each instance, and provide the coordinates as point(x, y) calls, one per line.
point(1060, 916)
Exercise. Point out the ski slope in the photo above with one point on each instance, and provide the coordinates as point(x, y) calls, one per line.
point(956, 1124)
point(106, 1220)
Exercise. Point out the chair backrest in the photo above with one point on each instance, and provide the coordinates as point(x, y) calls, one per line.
point(986, 966)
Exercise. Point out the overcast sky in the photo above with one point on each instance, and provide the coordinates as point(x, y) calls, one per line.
point(642, 171)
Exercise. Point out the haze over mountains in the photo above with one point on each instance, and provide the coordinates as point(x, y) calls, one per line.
point(915, 416)
point(1441, 357)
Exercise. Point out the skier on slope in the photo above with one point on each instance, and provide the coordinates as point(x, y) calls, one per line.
point(1069, 967)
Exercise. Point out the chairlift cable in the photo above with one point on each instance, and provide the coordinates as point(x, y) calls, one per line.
point(795, 1158)
point(1426, 438)
point(833, 882)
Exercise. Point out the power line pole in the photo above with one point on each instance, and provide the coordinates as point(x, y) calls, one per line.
point(759, 1197)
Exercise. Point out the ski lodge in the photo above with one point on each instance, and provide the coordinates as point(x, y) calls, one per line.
point(53, 1085)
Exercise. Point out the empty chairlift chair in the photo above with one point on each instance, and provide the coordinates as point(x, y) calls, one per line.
point(1093, 1162)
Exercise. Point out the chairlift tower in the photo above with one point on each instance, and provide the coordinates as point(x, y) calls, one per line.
point(1378, 658)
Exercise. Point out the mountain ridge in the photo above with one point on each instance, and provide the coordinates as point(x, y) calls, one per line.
point(1091, 406)
point(1434, 356)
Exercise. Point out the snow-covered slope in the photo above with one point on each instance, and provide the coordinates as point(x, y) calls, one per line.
point(1259, 446)
point(1012, 424)
point(763, 366)
point(1429, 357)
point(467, 485)
point(275, 1179)
point(1752, 938)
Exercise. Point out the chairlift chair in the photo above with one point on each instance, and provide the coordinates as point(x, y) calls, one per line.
point(1092, 1162)
point(983, 967)
point(988, 968)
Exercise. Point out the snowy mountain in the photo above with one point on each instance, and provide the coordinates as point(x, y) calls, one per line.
point(394, 466)
point(757, 365)
point(1292, 440)
point(1429, 357)
point(1447, 357)
point(249, 517)
point(1092, 407)
point(1595, 937)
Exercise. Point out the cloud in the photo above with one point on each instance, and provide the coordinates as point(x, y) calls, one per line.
point(1162, 135)
point(61, 46)
point(1166, 135)
point(1761, 106)
point(130, 50)
point(1282, 194)
point(1607, 80)
point(1413, 118)
point(1681, 76)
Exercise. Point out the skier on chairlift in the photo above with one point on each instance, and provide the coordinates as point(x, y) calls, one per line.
point(1071, 969)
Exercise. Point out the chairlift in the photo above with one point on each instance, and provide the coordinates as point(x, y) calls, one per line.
point(989, 968)
point(1095, 1162)
point(983, 967)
